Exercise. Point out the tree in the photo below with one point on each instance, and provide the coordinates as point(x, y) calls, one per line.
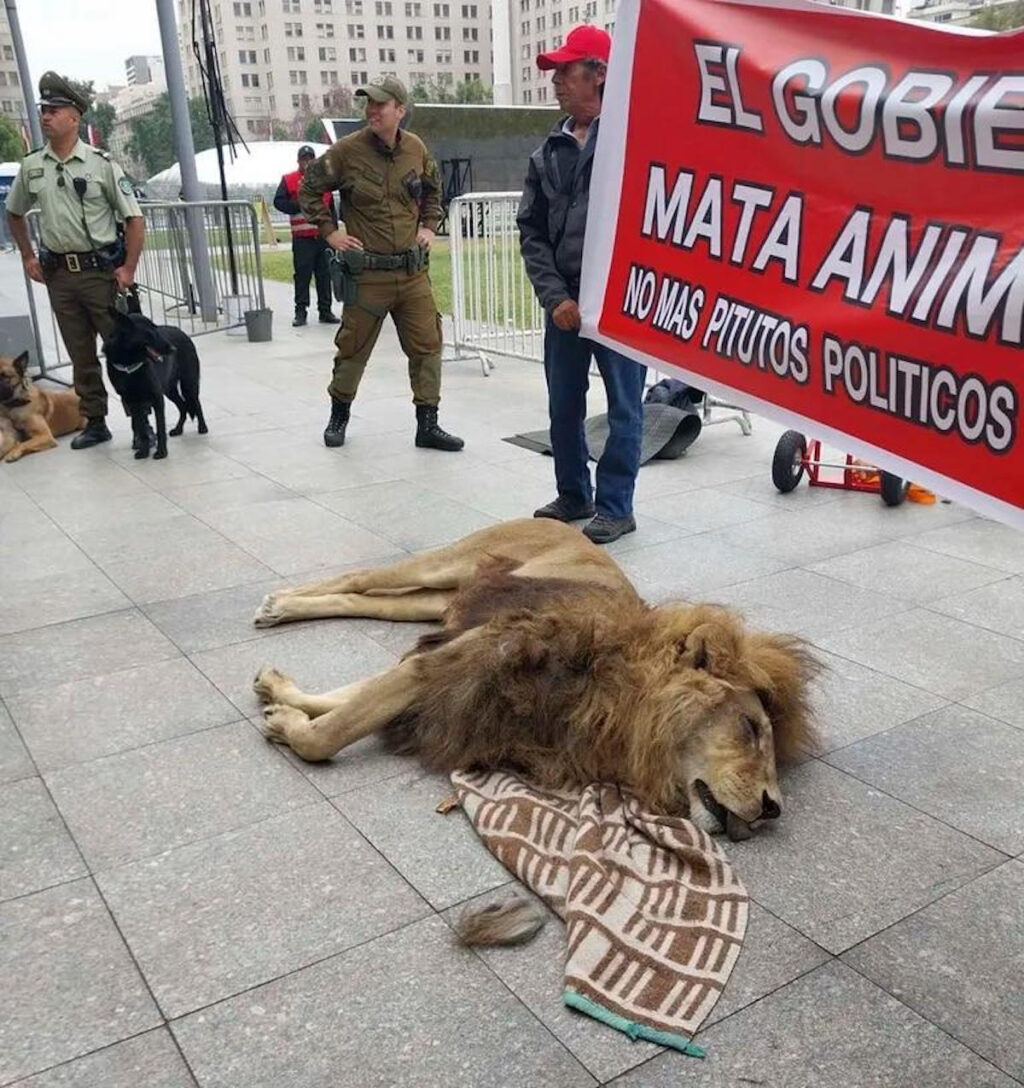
point(100, 114)
point(12, 147)
point(152, 139)
point(472, 90)
point(1004, 17)
point(431, 91)
point(341, 102)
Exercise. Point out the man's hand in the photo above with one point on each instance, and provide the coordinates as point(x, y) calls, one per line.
point(566, 315)
point(124, 277)
point(340, 240)
point(33, 268)
point(424, 236)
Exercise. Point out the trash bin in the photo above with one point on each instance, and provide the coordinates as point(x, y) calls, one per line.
point(259, 325)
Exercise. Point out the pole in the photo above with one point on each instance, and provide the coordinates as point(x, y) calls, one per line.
point(184, 148)
point(500, 24)
point(31, 113)
point(215, 96)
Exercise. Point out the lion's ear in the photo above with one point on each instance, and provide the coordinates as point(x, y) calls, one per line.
point(710, 646)
point(785, 667)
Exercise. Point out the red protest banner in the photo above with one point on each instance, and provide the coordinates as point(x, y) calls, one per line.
point(819, 214)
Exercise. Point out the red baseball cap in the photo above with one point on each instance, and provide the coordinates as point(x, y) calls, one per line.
point(581, 43)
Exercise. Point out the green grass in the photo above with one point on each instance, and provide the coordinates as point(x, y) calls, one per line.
point(277, 265)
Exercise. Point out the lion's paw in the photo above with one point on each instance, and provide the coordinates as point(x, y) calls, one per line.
point(268, 684)
point(269, 613)
point(277, 720)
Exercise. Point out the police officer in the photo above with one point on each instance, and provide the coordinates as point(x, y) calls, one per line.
point(81, 194)
point(390, 202)
point(309, 250)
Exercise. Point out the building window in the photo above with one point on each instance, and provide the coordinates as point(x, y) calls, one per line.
point(297, 52)
point(470, 34)
point(574, 15)
point(293, 30)
point(325, 30)
point(441, 11)
point(526, 73)
point(250, 80)
point(325, 7)
point(414, 11)
point(357, 31)
point(527, 97)
point(442, 33)
point(540, 22)
point(386, 32)
point(293, 7)
point(415, 56)
point(357, 54)
point(469, 11)
point(414, 33)
point(556, 19)
point(542, 94)
point(471, 56)
point(328, 79)
point(359, 78)
point(246, 56)
point(243, 10)
point(386, 56)
point(443, 56)
point(297, 78)
point(383, 7)
point(327, 52)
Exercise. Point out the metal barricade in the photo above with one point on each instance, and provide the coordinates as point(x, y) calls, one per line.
point(494, 308)
point(166, 274)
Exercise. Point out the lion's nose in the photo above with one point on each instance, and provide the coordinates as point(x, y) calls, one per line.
point(770, 810)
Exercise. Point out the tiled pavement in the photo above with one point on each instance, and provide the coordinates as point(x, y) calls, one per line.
point(182, 904)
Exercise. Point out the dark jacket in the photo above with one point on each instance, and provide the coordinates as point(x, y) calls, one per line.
point(553, 215)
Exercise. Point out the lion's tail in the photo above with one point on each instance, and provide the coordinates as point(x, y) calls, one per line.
point(515, 921)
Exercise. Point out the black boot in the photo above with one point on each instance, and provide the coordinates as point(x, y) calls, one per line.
point(95, 432)
point(334, 435)
point(327, 318)
point(429, 435)
point(300, 317)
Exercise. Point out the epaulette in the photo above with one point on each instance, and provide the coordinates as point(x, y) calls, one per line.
point(35, 150)
point(99, 151)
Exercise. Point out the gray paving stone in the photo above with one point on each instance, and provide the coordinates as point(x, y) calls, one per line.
point(296, 534)
point(900, 570)
point(209, 920)
point(357, 766)
point(852, 702)
point(319, 656)
point(1005, 702)
point(440, 856)
point(957, 765)
point(37, 602)
point(844, 861)
point(69, 984)
point(404, 1011)
point(534, 973)
point(83, 514)
point(49, 554)
point(938, 653)
point(118, 711)
point(997, 607)
point(829, 1029)
point(226, 494)
point(187, 466)
point(138, 803)
point(15, 762)
point(979, 541)
point(703, 509)
point(407, 515)
point(181, 536)
point(36, 851)
point(805, 603)
point(959, 963)
point(79, 649)
point(147, 1061)
point(693, 568)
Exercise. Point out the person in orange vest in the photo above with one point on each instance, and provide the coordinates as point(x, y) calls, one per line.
point(309, 251)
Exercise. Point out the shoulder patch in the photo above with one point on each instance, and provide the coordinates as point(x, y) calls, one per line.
point(99, 151)
point(36, 173)
point(125, 185)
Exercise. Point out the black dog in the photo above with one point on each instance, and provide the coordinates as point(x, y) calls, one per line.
point(145, 363)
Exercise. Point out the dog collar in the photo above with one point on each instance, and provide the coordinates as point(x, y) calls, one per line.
point(122, 369)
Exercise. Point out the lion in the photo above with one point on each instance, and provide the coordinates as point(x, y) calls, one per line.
point(548, 662)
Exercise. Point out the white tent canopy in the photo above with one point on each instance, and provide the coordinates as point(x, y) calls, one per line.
point(256, 170)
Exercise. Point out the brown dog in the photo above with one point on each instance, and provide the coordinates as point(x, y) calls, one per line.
point(31, 419)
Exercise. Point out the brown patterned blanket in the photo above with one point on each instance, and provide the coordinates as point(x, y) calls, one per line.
point(654, 914)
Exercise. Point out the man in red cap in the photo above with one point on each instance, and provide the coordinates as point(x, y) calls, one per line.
point(552, 219)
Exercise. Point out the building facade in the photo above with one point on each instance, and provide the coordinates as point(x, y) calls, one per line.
point(955, 12)
point(145, 69)
point(282, 59)
point(12, 100)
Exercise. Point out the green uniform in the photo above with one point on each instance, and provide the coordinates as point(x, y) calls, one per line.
point(387, 194)
point(73, 226)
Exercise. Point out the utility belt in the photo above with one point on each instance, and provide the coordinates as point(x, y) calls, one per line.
point(102, 259)
point(348, 265)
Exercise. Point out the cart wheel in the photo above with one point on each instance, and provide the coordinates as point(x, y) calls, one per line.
point(893, 489)
point(788, 462)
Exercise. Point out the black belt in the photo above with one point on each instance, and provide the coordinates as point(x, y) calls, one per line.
point(391, 261)
point(74, 262)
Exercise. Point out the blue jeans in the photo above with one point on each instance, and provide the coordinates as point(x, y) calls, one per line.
point(566, 365)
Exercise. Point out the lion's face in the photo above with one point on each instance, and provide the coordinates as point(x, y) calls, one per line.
point(730, 761)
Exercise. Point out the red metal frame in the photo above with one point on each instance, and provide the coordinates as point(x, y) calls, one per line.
point(857, 476)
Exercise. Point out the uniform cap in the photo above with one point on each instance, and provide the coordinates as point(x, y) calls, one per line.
point(54, 90)
point(305, 152)
point(581, 43)
point(383, 89)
